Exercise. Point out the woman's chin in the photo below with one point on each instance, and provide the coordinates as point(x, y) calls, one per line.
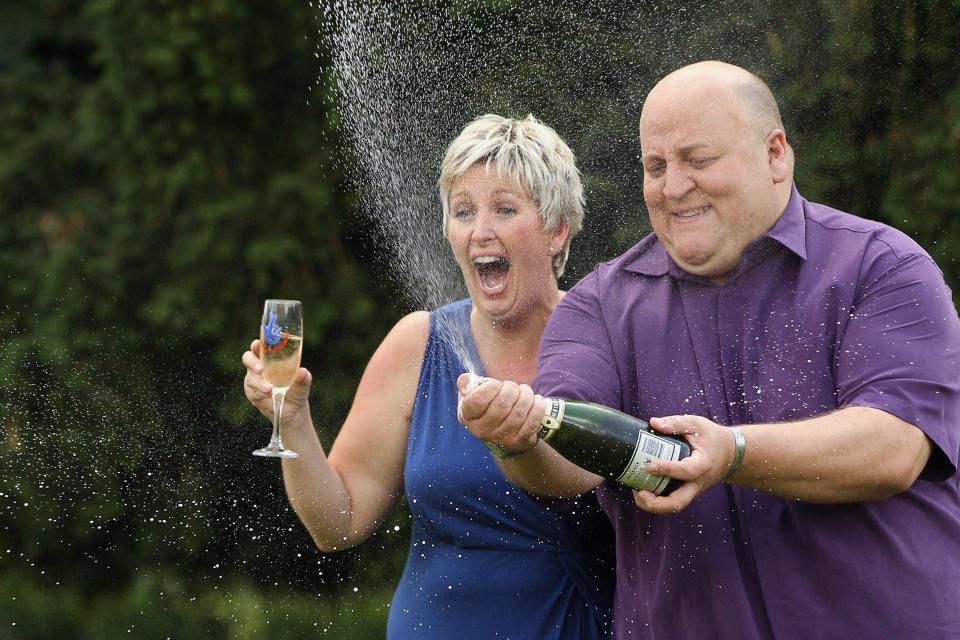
point(496, 305)
point(492, 292)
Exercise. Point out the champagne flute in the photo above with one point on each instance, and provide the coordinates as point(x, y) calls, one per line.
point(281, 341)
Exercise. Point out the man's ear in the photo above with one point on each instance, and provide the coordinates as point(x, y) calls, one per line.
point(779, 155)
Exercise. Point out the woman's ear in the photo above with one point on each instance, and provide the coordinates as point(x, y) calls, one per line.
point(559, 238)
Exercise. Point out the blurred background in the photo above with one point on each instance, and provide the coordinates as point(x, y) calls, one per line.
point(165, 166)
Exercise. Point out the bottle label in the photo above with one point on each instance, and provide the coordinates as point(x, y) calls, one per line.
point(552, 417)
point(649, 446)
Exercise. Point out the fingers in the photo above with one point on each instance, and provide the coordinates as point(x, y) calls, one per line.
point(709, 457)
point(502, 412)
point(304, 377)
point(256, 385)
point(252, 362)
point(253, 382)
point(519, 429)
point(690, 468)
point(679, 425)
point(534, 416)
point(522, 405)
point(491, 408)
point(259, 392)
point(673, 503)
point(299, 390)
point(467, 382)
point(476, 401)
point(502, 405)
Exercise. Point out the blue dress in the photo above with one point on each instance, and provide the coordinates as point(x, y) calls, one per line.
point(487, 560)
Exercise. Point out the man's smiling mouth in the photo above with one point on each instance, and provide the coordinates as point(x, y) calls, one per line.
point(690, 213)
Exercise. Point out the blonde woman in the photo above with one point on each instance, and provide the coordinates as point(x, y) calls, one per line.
point(486, 559)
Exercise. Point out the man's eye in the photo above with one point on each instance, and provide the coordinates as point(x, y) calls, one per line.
point(701, 163)
point(654, 169)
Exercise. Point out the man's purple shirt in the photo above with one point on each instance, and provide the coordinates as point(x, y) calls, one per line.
point(827, 310)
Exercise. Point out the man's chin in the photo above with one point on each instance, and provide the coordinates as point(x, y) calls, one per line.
point(697, 263)
point(703, 266)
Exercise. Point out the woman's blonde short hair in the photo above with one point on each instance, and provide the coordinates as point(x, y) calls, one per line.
point(532, 155)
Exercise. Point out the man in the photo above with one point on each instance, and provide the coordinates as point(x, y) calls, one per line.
point(810, 358)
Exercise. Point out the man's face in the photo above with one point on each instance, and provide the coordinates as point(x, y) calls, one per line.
point(707, 183)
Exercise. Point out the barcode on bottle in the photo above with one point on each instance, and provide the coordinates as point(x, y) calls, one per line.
point(648, 447)
point(653, 447)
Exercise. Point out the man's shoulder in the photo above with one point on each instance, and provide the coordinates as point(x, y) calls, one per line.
point(646, 256)
point(832, 227)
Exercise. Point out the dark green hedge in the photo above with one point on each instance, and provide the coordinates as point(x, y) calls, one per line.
point(167, 165)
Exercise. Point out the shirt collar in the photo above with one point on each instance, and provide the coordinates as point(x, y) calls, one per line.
point(789, 230)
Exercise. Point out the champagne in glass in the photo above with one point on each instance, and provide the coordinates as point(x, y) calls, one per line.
point(281, 340)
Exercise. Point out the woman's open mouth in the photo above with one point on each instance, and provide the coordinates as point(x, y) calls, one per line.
point(492, 273)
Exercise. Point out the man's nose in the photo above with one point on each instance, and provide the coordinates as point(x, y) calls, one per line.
point(676, 182)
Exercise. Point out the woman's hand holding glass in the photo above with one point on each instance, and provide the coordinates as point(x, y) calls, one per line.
point(275, 361)
point(260, 392)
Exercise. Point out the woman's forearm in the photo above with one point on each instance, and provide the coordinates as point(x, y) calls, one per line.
point(315, 489)
point(543, 471)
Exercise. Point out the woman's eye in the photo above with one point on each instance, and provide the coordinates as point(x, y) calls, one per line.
point(507, 211)
point(462, 212)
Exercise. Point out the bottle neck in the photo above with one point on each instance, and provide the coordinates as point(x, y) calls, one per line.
point(552, 418)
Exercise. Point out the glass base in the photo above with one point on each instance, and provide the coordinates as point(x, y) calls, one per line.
point(274, 451)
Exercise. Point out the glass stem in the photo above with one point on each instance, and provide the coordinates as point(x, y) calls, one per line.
point(278, 397)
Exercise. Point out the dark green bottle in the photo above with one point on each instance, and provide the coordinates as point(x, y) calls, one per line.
point(608, 442)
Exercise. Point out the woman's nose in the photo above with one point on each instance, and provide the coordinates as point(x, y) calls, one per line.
point(483, 226)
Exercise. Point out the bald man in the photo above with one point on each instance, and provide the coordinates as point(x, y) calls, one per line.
point(811, 359)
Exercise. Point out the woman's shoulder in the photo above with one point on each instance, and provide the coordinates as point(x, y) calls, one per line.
point(410, 332)
point(401, 351)
point(409, 336)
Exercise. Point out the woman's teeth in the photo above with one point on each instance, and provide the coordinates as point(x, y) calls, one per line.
point(492, 270)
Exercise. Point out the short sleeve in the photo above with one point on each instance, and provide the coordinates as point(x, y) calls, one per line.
point(576, 358)
point(900, 352)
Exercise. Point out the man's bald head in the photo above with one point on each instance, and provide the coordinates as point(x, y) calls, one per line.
point(717, 168)
point(759, 107)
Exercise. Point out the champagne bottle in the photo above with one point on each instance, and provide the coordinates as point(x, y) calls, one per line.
point(610, 443)
point(607, 442)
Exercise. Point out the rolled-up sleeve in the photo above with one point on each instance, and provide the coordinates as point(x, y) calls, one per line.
point(900, 352)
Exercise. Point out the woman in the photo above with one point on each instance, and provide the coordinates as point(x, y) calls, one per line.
point(486, 559)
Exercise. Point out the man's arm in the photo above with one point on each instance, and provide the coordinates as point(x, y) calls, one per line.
point(898, 381)
point(508, 415)
point(854, 454)
point(575, 362)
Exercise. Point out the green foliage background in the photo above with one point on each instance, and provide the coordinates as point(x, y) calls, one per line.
point(167, 165)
